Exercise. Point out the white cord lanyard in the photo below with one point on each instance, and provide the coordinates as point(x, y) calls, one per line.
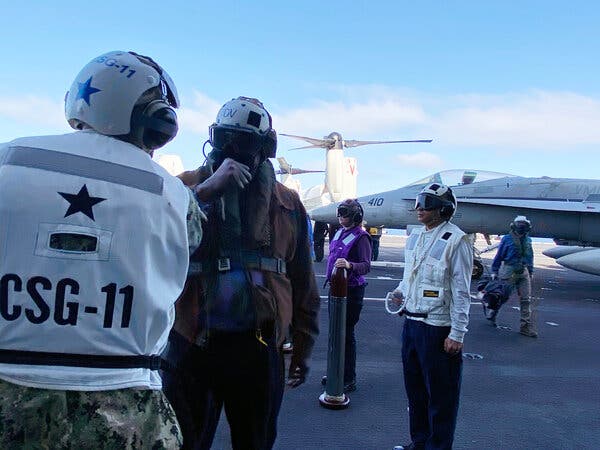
point(425, 252)
point(416, 266)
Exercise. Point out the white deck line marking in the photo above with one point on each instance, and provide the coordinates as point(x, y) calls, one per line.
point(377, 299)
point(368, 278)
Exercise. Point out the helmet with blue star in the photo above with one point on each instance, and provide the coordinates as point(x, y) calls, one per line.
point(127, 96)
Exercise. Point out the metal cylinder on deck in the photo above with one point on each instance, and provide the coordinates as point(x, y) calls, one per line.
point(334, 396)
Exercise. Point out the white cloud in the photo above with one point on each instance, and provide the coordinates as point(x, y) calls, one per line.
point(352, 119)
point(423, 160)
point(538, 119)
point(199, 115)
point(33, 110)
point(542, 120)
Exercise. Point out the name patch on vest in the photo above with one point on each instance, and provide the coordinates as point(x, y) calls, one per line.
point(431, 294)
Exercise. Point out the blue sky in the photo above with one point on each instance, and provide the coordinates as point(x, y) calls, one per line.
point(506, 86)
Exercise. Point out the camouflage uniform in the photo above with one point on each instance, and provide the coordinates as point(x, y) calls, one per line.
point(194, 219)
point(34, 418)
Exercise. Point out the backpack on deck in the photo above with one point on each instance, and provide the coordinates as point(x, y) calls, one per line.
point(495, 293)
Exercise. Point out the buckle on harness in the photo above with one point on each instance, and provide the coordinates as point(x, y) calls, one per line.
point(223, 264)
point(280, 265)
point(155, 362)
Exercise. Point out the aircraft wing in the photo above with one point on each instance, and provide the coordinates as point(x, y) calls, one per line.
point(354, 143)
point(547, 204)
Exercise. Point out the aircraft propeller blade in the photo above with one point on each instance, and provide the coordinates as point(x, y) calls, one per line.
point(296, 171)
point(308, 146)
point(323, 143)
point(300, 171)
point(353, 143)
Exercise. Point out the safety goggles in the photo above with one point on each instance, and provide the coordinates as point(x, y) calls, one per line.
point(428, 202)
point(235, 141)
point(343, 211)
point(522, 227)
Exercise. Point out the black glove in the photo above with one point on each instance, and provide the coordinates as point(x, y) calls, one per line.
point(297, 375)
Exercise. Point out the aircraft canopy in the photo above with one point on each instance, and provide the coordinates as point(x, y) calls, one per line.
point(459, 177)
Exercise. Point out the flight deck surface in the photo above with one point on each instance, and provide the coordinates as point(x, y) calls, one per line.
point(517, 392)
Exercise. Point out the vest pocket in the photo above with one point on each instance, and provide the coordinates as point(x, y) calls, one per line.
point(432, 272)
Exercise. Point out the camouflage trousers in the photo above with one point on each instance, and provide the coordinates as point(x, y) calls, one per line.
point(33, 418)
point(521, 282)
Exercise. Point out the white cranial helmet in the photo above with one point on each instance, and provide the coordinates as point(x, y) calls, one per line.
point(437, 196)
point(521, 224)
point(243, 128)
point(244, 113)
point(124, 94)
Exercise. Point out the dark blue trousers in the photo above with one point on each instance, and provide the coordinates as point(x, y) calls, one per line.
point(354, 305)
point(235, 372)
point(432, 379)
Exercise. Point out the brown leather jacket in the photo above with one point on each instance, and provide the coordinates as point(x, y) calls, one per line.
point(296, 293)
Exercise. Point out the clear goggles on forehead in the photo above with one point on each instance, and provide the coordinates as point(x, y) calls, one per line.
point(428, 202)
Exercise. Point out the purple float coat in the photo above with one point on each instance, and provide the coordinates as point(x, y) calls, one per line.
point(354, 245)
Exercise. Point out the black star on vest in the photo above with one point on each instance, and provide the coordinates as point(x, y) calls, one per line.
point(81, 202)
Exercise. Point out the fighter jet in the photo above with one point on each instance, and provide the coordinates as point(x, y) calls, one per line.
point(566, 210)
point(582, 259)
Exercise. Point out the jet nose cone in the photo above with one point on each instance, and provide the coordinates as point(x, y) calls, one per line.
point(324, 213)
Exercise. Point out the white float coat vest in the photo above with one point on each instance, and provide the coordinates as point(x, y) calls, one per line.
point(110, 292)
point(426, 282)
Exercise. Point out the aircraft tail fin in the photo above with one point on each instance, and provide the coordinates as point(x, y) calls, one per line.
point(341, 178)
point(284, 166)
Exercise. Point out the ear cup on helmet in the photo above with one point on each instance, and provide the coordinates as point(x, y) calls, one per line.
point(358, 215)
point(447, 210)
point(153, 125)
point(270, 144)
